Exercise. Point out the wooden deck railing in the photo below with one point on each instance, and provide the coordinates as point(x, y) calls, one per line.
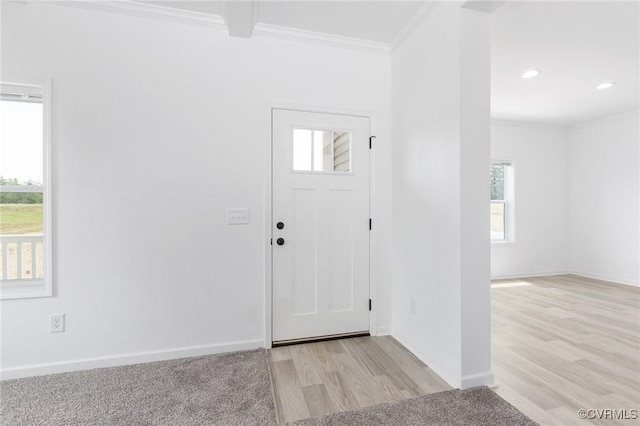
point(22, 257)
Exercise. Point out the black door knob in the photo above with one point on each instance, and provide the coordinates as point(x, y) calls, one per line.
point(280, 225)
point(280, 241)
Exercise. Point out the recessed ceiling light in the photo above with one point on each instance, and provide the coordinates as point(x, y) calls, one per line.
point(605, 85)
point(531, 73)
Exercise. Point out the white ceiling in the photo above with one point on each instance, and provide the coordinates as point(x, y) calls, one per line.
point(577, 45)
point(378, 21)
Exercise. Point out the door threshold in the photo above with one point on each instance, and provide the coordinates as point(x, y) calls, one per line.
point(319, 338)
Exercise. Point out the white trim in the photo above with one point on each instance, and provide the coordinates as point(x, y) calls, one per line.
point(479, 379)
point(414, 22)
point(148, 11)
point(268, 235)
point(451, 377)
point(613, 280)
point(485, 378)
point(188, 17)
point(133, 358)
point(46, 288)
point(18, 89)
point(292, 106)
point(29, 290)
point(383, 331)
point(48, 192)
point(528, 275)
point(605, 119)
point(566, 127)
point(373, 313)
point(323, 39)
point(503, 243)
point(524, 123)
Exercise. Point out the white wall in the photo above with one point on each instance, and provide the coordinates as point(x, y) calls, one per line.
point(158, 128)
point(541, 205)
point(433, 138)
point(604, 191)
point(475, 132)
point(576, 199)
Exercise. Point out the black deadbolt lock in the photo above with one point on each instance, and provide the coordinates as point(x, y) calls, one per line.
point(280, 241)
point(280, 225)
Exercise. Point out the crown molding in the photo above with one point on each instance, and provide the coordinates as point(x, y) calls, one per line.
point(415, 21)
point(606, 118)
point(149, 11)
point(527, 123)
point(169, 14)
point(564, 126)
point(323, 39)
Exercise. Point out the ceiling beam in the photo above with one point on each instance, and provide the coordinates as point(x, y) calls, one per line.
point(240, 16)
point(487, 6)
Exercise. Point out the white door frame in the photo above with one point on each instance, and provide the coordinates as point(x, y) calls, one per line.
point(268, 209)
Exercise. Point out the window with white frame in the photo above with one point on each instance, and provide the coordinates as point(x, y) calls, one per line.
point(502, 211)
point(25, 191)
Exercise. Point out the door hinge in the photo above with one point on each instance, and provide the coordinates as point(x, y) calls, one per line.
point(272, 241)
point(370, 224)
point(369, 304)
point(371, 141)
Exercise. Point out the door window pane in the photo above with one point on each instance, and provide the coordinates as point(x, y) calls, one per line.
point(302, 143)
point(321, 150)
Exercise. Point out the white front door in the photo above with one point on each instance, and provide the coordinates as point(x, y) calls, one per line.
point(320, 224)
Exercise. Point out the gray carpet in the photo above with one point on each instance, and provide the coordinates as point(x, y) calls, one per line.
point(477, 406)
point(227, 389)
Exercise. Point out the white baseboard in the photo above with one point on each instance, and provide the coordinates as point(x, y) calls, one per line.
point(528, 275)
point(611, 279)
point(479, 379)
point(615, 280)
point(134, 358)
point(383, 331)
point(445, 373)
point(485, 378)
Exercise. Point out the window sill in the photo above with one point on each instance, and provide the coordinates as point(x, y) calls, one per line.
point(503, 243)
point(24, 289)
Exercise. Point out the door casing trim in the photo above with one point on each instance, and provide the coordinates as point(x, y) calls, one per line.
point(268, 208)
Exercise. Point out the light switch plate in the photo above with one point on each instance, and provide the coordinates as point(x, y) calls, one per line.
point(237, 216)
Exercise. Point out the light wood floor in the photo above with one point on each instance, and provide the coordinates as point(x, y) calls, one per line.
point(560, 344)
point(325, 377)
point(565, 342)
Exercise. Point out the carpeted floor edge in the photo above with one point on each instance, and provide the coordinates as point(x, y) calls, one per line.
point(478, 406)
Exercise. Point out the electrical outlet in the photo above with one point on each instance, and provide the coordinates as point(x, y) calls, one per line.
point(56, 323)
point(412, 306)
